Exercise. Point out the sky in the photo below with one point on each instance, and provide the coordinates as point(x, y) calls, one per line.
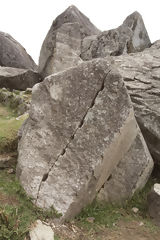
point(28, 21)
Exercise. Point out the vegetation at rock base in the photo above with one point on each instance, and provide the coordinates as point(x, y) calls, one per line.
point(9, 125)
point(108, 214)
point(17, 211)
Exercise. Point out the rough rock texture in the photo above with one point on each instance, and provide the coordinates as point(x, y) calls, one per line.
point(81, 125)
point(62, 46)
point(154, 203)
point(41, 231)
point(141, 73)
point(12, 54)
point(20, 79)
point(130, 37)
point(131, 173)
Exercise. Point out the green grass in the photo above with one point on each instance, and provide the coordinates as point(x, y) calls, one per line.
point(17, 212)
point(107, 215)
point(103, 213)
point(9, 126)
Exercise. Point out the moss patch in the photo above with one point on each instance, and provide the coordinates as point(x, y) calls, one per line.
point(9, 126)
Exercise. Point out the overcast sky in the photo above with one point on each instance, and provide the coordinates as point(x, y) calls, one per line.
point(28, 21)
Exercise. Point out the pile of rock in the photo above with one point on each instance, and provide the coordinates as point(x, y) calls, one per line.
point(82, 139)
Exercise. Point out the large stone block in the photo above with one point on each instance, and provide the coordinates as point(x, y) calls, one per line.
point(81, 125)
point(19, 79)
point(13, 54)
point(61, 48)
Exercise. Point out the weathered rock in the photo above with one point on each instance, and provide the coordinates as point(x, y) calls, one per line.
point(81, 125)
point(154, 203)
point(131, 173)
point(130, 37)
point(61, 48)
point(41, 231)
point(141, 72)
point(20, 79)
point(12, 54)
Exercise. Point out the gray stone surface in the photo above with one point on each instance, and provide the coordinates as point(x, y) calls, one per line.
point(154, 203)
point(130, 37)
point(19, 79)
point(141, 73)
point(81, 125)
point(13, 54)
point(131, 173)
point(41, 231)
point(61, 48)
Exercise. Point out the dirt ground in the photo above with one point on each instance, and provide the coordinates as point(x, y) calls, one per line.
point(124, 230)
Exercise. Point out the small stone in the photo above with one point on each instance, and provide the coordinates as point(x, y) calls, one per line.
point(141, 224)
point(41, 231)
point(10, 171)
point(28, 90)
point(135, 210)
point(90, 219)
point(7, 161)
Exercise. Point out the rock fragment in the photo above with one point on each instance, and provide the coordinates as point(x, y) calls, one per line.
point(41, 231)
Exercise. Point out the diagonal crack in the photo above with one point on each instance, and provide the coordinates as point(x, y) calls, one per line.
point(45, 176)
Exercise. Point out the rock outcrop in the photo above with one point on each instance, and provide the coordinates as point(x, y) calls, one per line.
point(19, 79)
point(81, 125)
point(61, 48)
point(130, 37)
point(141, 73)
point(72, 38)
point(12, 54)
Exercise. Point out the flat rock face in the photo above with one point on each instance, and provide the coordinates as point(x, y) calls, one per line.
point(130, 37)
point(141, 73)
point(41, 231)
point(81, 125)
point(154, 203)
point(131, 173)
point(61, 48)
point(12, 54)
point(19, 79)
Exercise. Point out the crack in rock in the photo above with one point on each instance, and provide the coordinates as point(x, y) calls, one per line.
point(45, 176)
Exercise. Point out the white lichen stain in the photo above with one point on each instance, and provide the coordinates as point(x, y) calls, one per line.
point(56, 92)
